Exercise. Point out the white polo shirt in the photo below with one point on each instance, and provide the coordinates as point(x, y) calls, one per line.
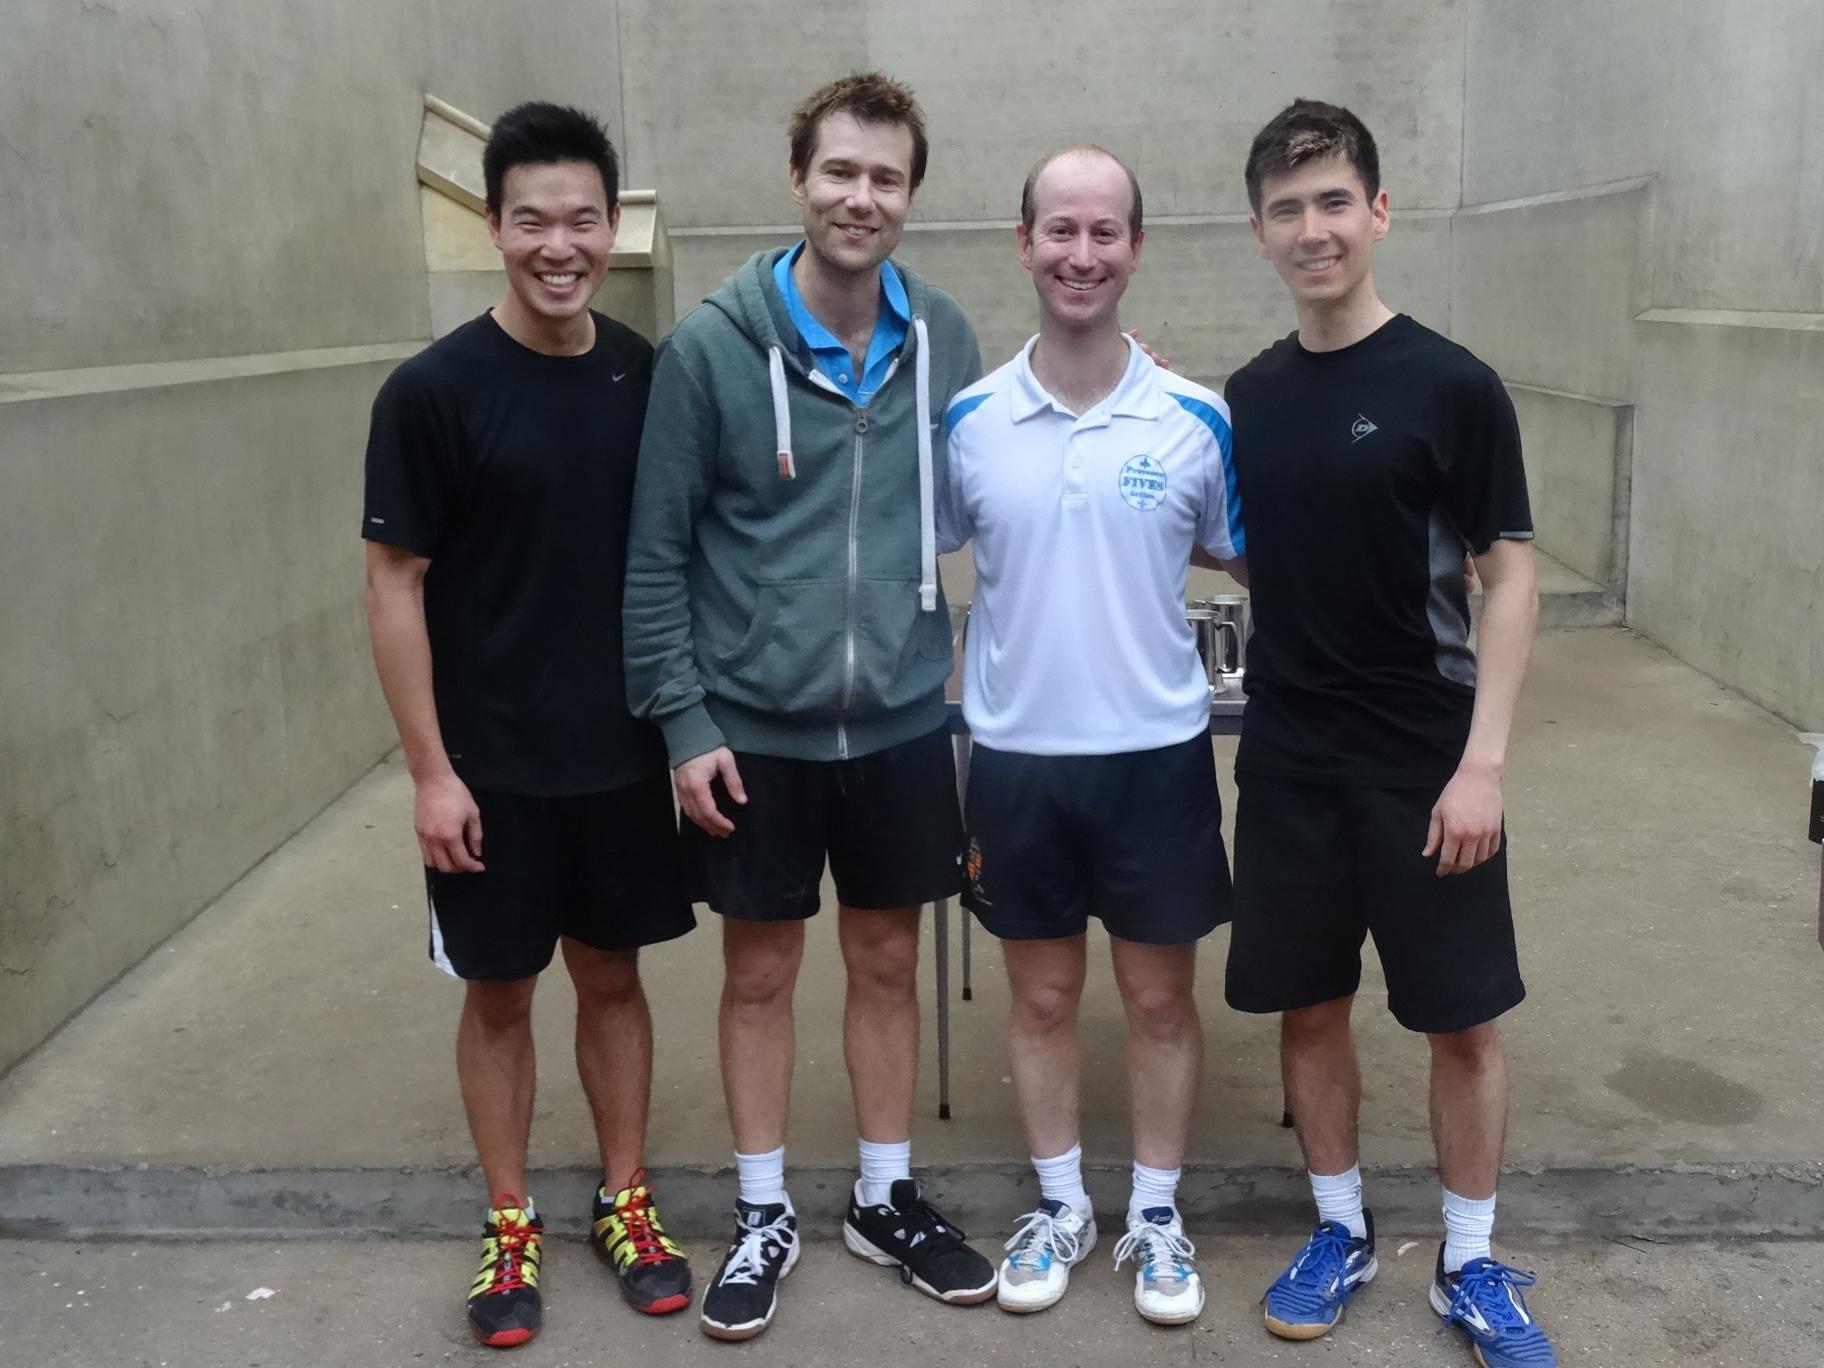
point(1078, 643)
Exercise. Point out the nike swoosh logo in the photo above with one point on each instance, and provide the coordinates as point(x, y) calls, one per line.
point(618, 378)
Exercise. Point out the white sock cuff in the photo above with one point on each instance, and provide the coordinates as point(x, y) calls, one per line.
point(761, 1176)
point(1061, 1178)
point(1348, 1180)
point(1456, 1204)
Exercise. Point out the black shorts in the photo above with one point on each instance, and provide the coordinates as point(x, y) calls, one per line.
point(1318, 866)
point(1134, 839)
point(888, 823)
point(601, 868)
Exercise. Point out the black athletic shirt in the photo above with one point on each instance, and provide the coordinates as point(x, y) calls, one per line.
point(512, 471)
point(1365, 474)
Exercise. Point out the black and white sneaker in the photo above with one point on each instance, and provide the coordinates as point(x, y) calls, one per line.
point(909, 1234)
point(742, 1297)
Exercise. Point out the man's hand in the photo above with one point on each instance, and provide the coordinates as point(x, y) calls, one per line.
point(1466, 821)
point(1162, 362)
point(695, 798)
point(449, 826)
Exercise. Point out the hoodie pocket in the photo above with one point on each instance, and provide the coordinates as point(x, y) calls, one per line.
point(902, 654)
point(791, 658)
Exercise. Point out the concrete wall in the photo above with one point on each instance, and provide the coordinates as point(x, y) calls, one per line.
point(1643, 234)
point(212, 259)
point(1176, 86)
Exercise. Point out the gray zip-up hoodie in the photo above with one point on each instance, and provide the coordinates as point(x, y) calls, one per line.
point(782, 593)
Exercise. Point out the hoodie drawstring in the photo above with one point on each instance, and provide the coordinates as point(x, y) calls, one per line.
point(782, 414)
point(927, 497)
point(927, 492)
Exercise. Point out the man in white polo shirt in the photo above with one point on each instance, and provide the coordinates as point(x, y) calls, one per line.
point(1085, 474)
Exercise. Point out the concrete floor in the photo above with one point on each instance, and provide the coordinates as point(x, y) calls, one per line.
point(375, 1304)
point(284, 1062)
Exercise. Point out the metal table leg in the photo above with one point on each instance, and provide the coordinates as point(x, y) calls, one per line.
point(943, 1008)
point(960, 747)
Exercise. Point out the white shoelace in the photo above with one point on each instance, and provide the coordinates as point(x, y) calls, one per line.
point(748, 1261)
point(1039, 1231)
point(1152, 1243)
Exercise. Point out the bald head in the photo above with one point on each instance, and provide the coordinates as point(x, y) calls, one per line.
point(1076, 153)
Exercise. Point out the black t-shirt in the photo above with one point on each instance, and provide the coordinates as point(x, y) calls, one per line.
point(1365, 473)
point(512, 471)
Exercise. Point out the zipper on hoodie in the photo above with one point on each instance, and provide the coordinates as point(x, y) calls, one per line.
point(854, 587)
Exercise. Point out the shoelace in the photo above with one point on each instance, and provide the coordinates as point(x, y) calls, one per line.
point(640, 1221)
point(748, 1260)
point(1322, 1260)
point(1152, 1243)
point(1040, 1232)
point(509, 1254)
point(1487, 1289)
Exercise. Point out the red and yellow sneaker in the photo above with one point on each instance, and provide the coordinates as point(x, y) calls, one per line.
point(652, 1271)
point(503, 1301)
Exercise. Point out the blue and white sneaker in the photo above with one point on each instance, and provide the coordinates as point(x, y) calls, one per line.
point(1307, 1300)
point(1041, 1252)
point(1167, 1290)
point(1485, 1300)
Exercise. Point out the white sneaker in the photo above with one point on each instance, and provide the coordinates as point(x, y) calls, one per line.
point(1167, 1290)
point(1049, 1240)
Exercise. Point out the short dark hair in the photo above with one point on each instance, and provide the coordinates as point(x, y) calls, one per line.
point(1310, 130)
point(871, 97)
point(538, 133)
point(1029, 210)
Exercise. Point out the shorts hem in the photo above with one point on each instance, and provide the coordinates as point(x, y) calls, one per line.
point(1461, 1021)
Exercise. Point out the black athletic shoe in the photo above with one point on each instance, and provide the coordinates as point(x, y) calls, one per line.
point(741, 1298)
point(625, 1230)
point(503, 1300)
point(909, 1234)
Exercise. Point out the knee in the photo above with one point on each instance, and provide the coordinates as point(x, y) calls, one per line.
point(761, 976)
point(1477, 1049)
point(499, 1008)
point(1311, 1027)
point(1160, 1011)
point(605, 979)
point(884, 959)
point(1041, 1008)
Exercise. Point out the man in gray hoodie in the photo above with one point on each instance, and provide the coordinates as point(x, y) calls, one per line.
point(785, 629)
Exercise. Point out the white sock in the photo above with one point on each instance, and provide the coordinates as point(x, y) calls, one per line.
point(1468, 1222)
point(881, 1167)
point(762, 1176)
point(1153, 1187)
point(1339, 1198)
point(1061, 1179)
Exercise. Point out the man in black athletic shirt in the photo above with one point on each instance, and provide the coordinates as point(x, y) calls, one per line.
point(500, 473)
point(1372, 454)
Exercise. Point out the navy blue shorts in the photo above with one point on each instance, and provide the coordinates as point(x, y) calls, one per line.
point(1133, 839)
point(1319, 866)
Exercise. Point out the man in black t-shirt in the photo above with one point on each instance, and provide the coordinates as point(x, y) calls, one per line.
point(1372, 454)
point(500, 470)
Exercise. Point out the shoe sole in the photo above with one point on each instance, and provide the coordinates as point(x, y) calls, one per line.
point(746, 1330)
point(502, 1339)
point(862, 1248)
point(1174, 1317)
point(1291, 1331)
